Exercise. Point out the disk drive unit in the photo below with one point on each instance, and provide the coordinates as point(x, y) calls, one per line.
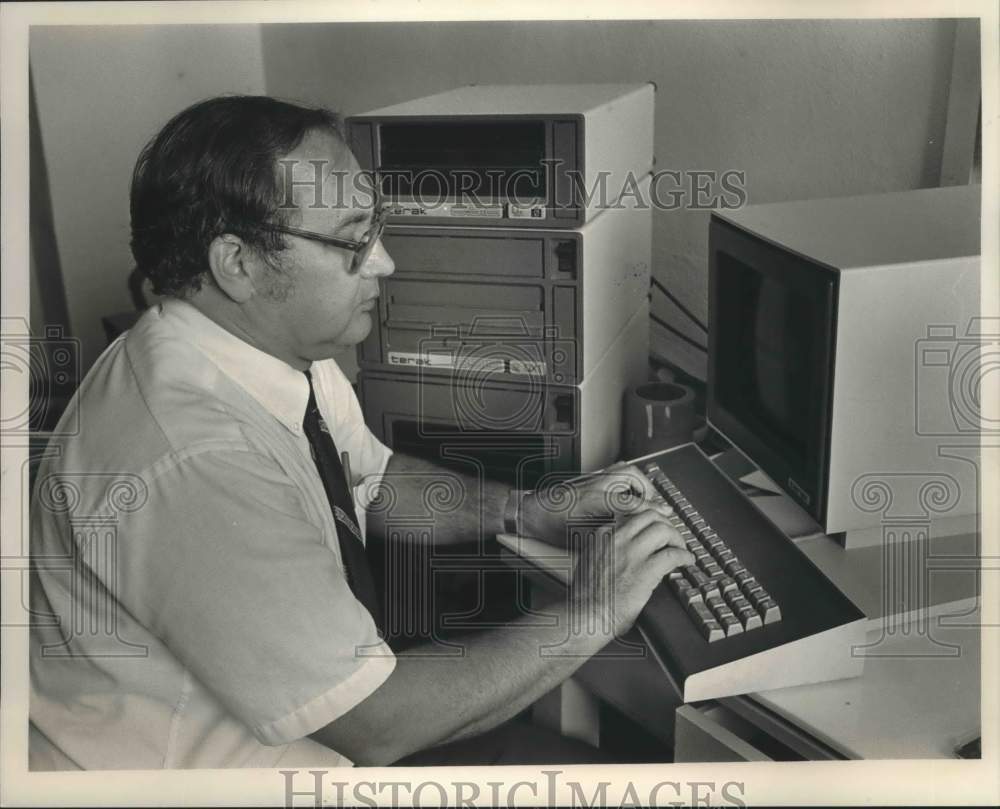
point(547, 156)
point(515, 432)
point(527, 303)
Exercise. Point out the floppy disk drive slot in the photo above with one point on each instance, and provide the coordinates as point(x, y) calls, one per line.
point(484, 322)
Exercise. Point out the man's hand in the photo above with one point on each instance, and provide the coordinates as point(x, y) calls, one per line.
point(611, 496)
point(618, 570)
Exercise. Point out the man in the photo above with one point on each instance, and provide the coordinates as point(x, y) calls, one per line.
point(199, 594)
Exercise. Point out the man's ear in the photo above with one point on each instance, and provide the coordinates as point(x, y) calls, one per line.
point(228, 260)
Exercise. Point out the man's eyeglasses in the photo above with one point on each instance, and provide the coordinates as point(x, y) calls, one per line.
point(361, 249)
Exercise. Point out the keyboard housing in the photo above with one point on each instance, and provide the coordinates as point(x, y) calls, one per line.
point(819, 626)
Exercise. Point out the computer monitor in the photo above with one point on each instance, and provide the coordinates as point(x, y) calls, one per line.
point(846, 352)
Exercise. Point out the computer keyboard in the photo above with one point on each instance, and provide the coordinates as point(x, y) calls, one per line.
point(720, 594)
point(753, 613)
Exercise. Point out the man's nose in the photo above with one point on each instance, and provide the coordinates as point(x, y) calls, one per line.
point(379, 263)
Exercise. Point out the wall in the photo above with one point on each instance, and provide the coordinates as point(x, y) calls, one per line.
point(806, 108)
point(101, 93)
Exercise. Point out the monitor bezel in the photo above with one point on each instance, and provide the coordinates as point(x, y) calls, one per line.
point(769, 258)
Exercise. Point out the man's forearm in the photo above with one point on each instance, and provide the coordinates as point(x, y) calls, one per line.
point(464, 508)
point(431, 698)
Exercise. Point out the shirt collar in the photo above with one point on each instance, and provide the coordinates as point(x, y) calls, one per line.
point(279, 388)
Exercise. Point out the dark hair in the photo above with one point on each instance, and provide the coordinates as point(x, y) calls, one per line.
point(212, 170)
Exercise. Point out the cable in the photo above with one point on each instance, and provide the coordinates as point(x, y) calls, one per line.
point(678, 333)
point(679, 305)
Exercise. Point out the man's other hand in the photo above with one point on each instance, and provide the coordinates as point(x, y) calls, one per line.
point(619, 566)
point(612, 496)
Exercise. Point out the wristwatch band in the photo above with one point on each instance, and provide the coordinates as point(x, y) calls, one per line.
point(512, 511)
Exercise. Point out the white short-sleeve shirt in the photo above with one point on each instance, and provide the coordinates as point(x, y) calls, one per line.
point(190, 606)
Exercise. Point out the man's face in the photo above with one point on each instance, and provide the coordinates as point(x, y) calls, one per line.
point(326, 305)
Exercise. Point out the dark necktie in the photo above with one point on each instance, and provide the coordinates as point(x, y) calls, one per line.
point(338, 492)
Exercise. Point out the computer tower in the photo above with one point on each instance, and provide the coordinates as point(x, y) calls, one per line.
point(518, 312)
point(525, 303)
point(522, 433)
point(525, 156)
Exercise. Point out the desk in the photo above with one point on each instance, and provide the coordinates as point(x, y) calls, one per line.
point(902, 707)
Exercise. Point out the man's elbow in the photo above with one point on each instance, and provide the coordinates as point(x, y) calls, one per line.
point(365, 749)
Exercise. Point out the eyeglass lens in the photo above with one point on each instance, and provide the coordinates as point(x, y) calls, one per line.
point(371, 238)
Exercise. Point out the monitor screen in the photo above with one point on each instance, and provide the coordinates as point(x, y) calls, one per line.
point(770, 358)
point(765, 350)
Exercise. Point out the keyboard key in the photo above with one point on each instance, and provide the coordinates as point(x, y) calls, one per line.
point(733, 566)
point(706, 623)
point(691, 596)
point(769, 611)
point(710, 590)
point(712, 568)
point(731, 625)
point(695, 576)
point(722, 610)
point(727, 585)
point(712, 632)
point(698, 609)
point(679, 585)
point(750, 619)
point(761, 598)
point(688, 595)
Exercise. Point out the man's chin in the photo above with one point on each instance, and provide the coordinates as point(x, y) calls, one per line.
point(360, 328)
